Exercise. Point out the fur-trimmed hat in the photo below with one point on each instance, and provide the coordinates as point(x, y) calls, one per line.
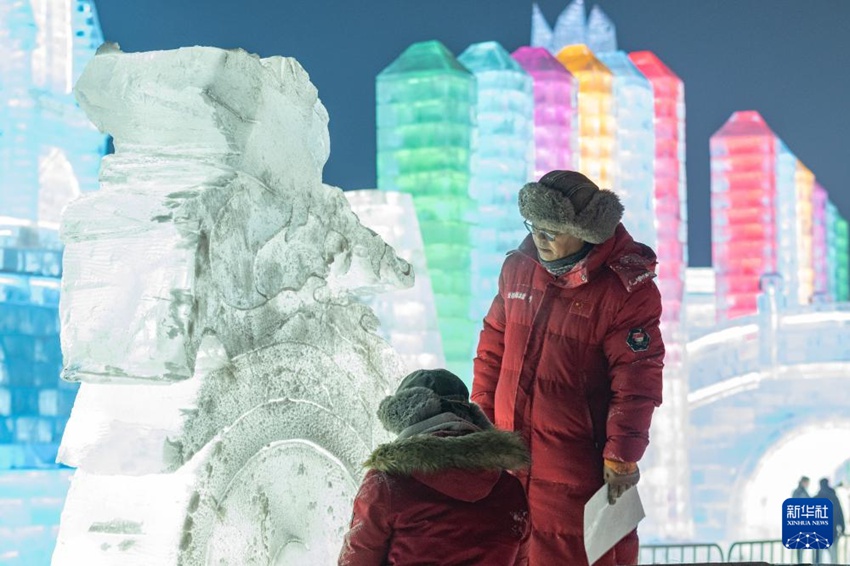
point(426, 393)
point(567, 201)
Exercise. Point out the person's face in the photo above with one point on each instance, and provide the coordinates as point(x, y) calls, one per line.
point(552, 245)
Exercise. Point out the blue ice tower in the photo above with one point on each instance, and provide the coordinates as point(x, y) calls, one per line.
point(634, 153)
point(49, 154)
point(502, 161)
point(787, 233)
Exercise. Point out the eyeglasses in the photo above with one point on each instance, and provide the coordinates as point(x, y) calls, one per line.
point(547, 235)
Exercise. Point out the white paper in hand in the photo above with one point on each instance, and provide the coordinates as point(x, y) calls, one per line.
point(605, 524)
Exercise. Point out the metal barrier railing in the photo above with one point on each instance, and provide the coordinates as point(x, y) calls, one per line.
point(770, 551)
point(774, 551)
point(680, 553)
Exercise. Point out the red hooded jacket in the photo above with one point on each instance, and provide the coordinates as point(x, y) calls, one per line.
point(574, 364)
point(418, 506)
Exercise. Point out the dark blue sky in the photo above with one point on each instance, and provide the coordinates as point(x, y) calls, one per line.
point(789, 59)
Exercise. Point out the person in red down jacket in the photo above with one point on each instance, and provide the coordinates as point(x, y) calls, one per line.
point(441, 492)
point(571, 357)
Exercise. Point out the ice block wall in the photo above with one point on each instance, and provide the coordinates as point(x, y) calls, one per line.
point(408, 317)
point(596, 121)
point(502, 162)
point(229, 375)
point(49, 154)
point(555, 111)
point(426, 113)
point(743, 211)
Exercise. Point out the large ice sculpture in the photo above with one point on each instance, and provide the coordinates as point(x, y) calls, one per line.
point(425, 118)
point(502, 161)
point(555, 114)
point(408, 318)
point(213, 236)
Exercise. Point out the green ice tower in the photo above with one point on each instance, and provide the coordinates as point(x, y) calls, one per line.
point(425, 119)
point(842, 263)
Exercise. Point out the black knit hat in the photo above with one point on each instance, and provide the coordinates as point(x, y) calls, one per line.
point(422, 395)
point(568, 201)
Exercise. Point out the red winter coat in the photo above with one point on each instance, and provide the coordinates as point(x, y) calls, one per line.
point(574, 364)
point(448, 515)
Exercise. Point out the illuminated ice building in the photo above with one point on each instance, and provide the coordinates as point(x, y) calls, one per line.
point(49, 154)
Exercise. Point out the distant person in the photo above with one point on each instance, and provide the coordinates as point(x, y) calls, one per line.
point(441, 492)
point(827, 492)
point(801, 491)
point(802, 488)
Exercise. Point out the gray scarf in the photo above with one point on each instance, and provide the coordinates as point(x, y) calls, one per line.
point(563, 265)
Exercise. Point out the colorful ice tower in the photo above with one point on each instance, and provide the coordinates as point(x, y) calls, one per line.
point(669, 197)
point(820, 259)
point(49, 154)
point(425, 121)
point(671, 201)
point(787, 224)
point(555, 110)
point(596, 123)
point(743, 211)
point(804, 180)
point(838, 252)
point(502, 161)
point(635, 148)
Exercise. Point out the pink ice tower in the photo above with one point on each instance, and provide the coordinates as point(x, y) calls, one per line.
point(819, 243)
point(555, 110)
point(743, 211)
point(671, 219)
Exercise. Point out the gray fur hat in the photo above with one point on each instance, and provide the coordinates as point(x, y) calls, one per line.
point(567, 201)
point(426, 393)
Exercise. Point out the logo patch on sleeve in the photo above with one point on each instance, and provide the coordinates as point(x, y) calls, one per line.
point(638, 340)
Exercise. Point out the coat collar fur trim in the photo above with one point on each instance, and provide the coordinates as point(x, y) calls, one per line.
point(486, 450)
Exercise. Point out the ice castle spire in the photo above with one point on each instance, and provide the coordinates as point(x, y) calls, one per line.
point(541, 32)
point(570, 27)
point(601, 32)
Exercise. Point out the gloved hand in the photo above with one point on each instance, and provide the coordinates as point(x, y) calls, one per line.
point(619, 476)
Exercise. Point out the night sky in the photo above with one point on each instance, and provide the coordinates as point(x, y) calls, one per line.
point(788, 59)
